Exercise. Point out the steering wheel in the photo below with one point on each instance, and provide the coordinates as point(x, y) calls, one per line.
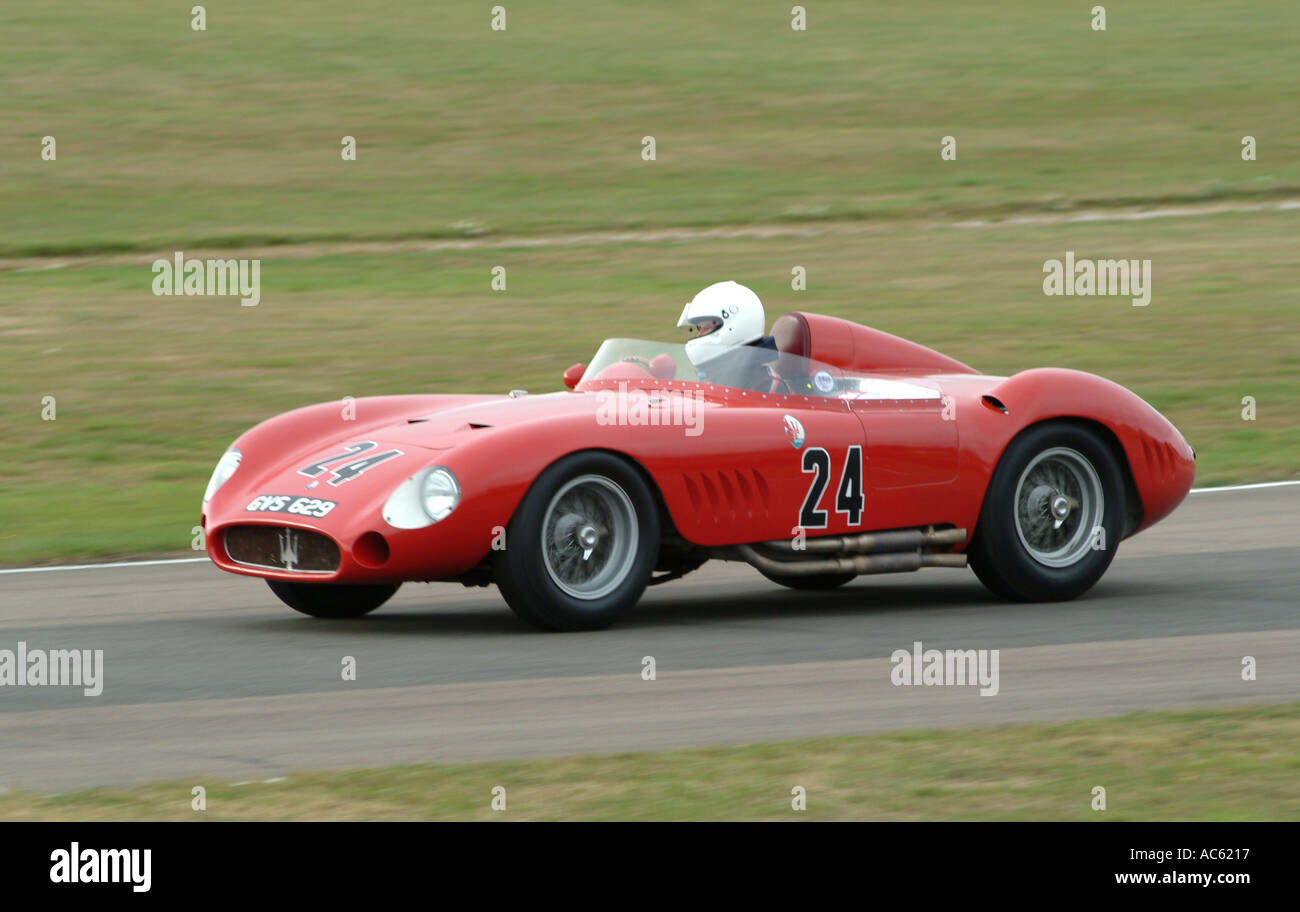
point(776, 384)
point(661, 367)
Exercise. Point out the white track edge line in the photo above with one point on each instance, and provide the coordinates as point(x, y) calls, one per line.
point(145, 563)
point(1245, 487)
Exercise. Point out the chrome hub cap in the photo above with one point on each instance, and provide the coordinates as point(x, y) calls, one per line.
point(1059, 502)
point(589, 537)
point(1060, 509)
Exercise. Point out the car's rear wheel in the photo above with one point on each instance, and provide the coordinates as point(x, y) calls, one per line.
point(814, 583)
point(1053, 515)
point(332, 600)
point(581, 546)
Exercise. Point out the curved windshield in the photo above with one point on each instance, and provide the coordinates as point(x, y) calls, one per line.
point(746, 367)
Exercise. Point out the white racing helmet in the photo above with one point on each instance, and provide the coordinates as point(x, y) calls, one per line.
point(726, 316)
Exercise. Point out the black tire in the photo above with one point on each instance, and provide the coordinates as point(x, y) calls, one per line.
point(1013, 550)
point(533, 585)
point(819, 583)
point(984, 571)
point(332, 600)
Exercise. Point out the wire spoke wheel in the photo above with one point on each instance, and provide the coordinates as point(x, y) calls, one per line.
point(1058, 504)
point(1053, 514)
point(589, 537)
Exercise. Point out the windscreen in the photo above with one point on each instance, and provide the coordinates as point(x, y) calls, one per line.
point(746, 367)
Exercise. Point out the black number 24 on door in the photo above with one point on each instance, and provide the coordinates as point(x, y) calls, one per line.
point(849, 497)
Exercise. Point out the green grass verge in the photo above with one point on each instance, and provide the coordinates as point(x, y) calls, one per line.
point(169, 137)
point(150, 390)
point(1236, 764)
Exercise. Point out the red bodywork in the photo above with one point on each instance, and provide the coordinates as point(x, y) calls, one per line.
point(927, 460)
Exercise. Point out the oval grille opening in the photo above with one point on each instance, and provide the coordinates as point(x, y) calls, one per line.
point(282, 548)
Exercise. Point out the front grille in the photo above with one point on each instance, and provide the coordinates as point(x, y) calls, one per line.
point(282, 548)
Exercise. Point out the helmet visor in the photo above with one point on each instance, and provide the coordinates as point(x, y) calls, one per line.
point(702, 326)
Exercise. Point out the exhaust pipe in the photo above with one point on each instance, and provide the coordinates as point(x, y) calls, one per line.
point(872, 552)
point(898, 562)
point(871, 542)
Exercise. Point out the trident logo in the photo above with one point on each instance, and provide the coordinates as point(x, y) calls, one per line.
point(288, 548)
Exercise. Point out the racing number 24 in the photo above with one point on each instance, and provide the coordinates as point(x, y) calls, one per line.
point(350, 470)
point(849, 498)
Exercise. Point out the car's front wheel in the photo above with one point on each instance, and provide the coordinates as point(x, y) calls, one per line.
point(581, 546)
point(332, 600)
point(1052, 517)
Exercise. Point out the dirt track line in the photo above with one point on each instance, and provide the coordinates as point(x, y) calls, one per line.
point(311, 249)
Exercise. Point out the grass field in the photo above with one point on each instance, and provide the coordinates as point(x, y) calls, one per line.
point(169, 138)
point(1239, 764)
point(150, 390)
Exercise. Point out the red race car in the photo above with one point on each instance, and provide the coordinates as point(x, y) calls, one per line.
point(834, 451)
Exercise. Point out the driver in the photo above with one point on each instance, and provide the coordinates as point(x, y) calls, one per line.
point(728, 320)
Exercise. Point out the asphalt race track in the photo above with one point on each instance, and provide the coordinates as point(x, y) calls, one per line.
point(207, 674)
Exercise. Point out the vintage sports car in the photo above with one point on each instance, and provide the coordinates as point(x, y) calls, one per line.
point(840, 451)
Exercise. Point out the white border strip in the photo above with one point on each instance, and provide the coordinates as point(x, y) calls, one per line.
point(1248, 487)
point(198, 560)
point(145, 563)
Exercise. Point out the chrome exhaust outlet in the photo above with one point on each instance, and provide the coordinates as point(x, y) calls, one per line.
point(871, 552)
point(870, 542)
point(860, 564)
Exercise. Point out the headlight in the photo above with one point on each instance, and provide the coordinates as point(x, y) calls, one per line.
point(226, 466)
point(441, 493)
point(423, 499)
